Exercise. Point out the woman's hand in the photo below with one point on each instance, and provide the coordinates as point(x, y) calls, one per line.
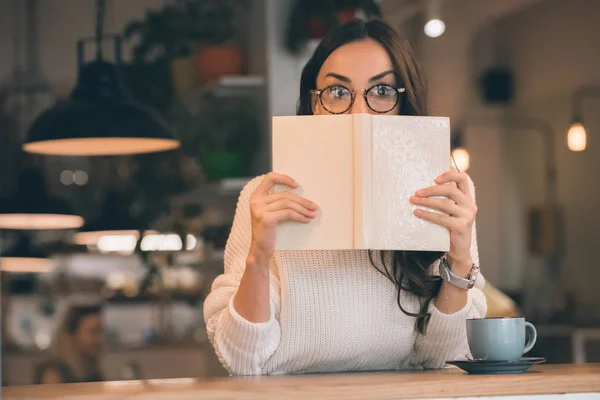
point(459, 210)
point(267, 209)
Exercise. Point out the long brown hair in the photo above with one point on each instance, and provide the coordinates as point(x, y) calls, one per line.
point(407, 270)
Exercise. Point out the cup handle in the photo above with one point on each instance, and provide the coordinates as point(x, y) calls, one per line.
point(531, 333)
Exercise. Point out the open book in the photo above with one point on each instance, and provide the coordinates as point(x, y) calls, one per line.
point(361, 170)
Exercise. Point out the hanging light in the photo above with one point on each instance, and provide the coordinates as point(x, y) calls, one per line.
point(33, 208)
point(435, 26)
point(114, 220)
point(460, 155)
point(100, 118)
point(577, 137)
point(24, 257)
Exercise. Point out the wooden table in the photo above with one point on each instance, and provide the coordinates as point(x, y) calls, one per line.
point(580, 381)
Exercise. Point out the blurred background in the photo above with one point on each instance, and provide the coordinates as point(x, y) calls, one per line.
point(113, 243)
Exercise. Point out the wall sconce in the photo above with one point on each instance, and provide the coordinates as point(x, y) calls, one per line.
point(577, 135)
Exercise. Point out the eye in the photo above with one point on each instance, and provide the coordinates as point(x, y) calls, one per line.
point(383, 91)
point(338, 92)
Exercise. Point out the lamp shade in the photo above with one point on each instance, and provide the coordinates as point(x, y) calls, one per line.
point(114, 220)
point(99, 119)
point(33, 208)
point(25, 257)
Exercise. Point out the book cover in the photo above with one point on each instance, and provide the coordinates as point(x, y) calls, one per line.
point(361, 170)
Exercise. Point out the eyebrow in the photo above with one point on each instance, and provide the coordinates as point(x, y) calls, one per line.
point(348, 80)
point(338, 77)
point(381, 75)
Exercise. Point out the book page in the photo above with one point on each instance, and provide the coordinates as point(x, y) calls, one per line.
point(317, 151)
point(408, 153)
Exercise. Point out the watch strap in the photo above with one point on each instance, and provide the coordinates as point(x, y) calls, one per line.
point(460, 282)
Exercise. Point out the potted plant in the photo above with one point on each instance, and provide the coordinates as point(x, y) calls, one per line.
point(312, 19)
point(215, 32)
point(195, 39)
point(224, 133)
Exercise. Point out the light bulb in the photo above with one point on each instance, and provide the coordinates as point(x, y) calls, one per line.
point(577, 137)
point(461, 158)
point(434, 28)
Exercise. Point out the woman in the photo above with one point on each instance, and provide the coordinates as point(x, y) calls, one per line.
point(332, 311)
point(77, 349)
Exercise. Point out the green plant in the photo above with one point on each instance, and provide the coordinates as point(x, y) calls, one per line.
point(212, 21)
point(220, 124)
point(314, 18)
point(162, 34)
point(177, 28)
point(169, 33)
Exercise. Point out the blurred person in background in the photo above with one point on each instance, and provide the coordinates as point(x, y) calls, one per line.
point(76, 351)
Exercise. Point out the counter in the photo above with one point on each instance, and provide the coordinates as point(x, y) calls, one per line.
point(580, 382)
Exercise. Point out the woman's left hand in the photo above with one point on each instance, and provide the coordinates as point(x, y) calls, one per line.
point(459, 210)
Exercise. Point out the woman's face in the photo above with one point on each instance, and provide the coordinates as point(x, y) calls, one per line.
point(357, 66)
point(89, 336)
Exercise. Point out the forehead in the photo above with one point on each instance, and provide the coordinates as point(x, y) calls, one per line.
point(358, 61)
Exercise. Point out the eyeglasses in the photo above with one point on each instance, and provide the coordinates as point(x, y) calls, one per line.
point(337, 99)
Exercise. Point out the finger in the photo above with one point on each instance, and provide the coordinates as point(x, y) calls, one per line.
point(288, 215)
point(461, 179)
point(444, 205)
point(284, 204)
point(438, 219)
point(293, 197)
point(272, 179)
point(449, 191)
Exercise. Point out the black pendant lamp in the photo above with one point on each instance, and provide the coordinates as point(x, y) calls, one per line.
point(25, 257)
point(114, 220)
point(32, 207)
point(100, 118)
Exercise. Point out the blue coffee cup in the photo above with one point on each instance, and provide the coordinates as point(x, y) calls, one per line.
point(500, 339)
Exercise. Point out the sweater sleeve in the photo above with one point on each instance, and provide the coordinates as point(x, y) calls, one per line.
point(242, 347)
point(446, 336)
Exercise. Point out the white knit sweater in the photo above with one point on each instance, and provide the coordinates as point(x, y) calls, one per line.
point(331, 311)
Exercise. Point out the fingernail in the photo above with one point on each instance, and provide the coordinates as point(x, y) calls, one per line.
point(420, 192)
point(418, 211)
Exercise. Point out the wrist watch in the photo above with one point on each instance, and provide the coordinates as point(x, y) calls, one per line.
point(452, 278)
